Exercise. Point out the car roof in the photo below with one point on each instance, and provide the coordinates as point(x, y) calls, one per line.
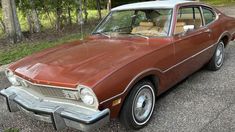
point(152, 4)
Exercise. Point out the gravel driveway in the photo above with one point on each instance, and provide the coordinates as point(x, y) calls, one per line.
point(203, 102)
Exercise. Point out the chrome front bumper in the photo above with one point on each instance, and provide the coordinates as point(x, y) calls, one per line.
point(58, 113)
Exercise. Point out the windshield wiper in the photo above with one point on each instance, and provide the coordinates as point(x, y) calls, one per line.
point(103, 33)
point(141, 35)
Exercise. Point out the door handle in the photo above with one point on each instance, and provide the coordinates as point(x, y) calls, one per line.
point(208, 31)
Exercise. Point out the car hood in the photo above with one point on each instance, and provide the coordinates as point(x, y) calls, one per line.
point(71, 64)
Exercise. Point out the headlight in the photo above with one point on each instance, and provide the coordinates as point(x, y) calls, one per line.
point(87, 96)
point(11, 77)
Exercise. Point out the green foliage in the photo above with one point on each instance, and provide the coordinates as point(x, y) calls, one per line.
point(12, 130)
point(121, 2)
point(45, 21)
point(16, 52)
point(219, 2)
point(21, 50)
point(47, 15)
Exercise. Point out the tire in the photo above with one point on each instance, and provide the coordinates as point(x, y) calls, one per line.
point(140, 100)
point(217, 60)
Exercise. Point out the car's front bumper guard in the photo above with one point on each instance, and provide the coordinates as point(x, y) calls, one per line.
point(59, 114)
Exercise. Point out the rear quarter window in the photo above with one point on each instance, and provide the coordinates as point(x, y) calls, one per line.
point(209, 15)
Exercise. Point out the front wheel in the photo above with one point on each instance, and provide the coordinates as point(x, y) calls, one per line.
point(139, 105)
point(217, 60)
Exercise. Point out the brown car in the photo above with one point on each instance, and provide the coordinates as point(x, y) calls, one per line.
point(135, 54)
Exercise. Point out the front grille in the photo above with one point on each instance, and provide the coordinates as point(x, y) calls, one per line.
point(50, 91)
point(46, 91)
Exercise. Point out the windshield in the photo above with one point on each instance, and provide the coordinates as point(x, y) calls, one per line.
point(154, 22)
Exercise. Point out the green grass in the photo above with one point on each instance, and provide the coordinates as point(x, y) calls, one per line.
point(23, 49)
point(18, 51)
point(12, 130)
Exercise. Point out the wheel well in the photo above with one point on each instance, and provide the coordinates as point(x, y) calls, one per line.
point(152, 78)
point(225, 39)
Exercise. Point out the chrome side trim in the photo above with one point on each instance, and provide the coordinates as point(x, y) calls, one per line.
point(189, 58)
point(135, 77)
point(158, 70)
point(224, 33)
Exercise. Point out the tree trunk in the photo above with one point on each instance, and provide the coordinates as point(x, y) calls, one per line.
point(37, 25)
point(98, 8)
point(109, 5)
point(30, 23)
point(58, 18)
point(32, 18)
point(34, 14)
point(11, 21)
point(3, 27)
point(80, 16)
point(79, 13)
point(69, 16)
point(48, 14)
point(85, 11)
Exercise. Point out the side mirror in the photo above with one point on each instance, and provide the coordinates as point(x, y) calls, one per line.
point(188, 28)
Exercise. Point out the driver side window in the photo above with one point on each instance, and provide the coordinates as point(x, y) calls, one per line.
point(188, 18)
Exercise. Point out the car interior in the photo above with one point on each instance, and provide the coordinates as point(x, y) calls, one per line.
point(152, 22)
point(155, 24)
point(188, 16)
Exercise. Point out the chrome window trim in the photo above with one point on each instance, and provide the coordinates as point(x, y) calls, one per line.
point(203, 18)
point(213, 11)
point(200, 6)
point(174, 14)
point(169, 26)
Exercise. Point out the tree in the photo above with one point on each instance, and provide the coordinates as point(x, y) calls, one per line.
point(121, 2)
point(2, 25)
point(79, 12)
point(99, 9)
point(85, 11)
point(29, 10)
point(11, 21)
point(34, 14)
point(59, 12)
point(109, 5)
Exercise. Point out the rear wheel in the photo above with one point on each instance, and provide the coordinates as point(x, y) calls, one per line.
point(139, 105)
point(218, 58)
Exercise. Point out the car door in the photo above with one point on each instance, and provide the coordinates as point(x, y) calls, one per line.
point(209, 21)
point(191, 45)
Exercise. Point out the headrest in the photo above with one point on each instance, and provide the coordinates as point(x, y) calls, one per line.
point(178, 24)
point(146, 24)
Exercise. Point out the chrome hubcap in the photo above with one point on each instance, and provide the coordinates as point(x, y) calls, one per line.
point(220, 54)
point(143, 105)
